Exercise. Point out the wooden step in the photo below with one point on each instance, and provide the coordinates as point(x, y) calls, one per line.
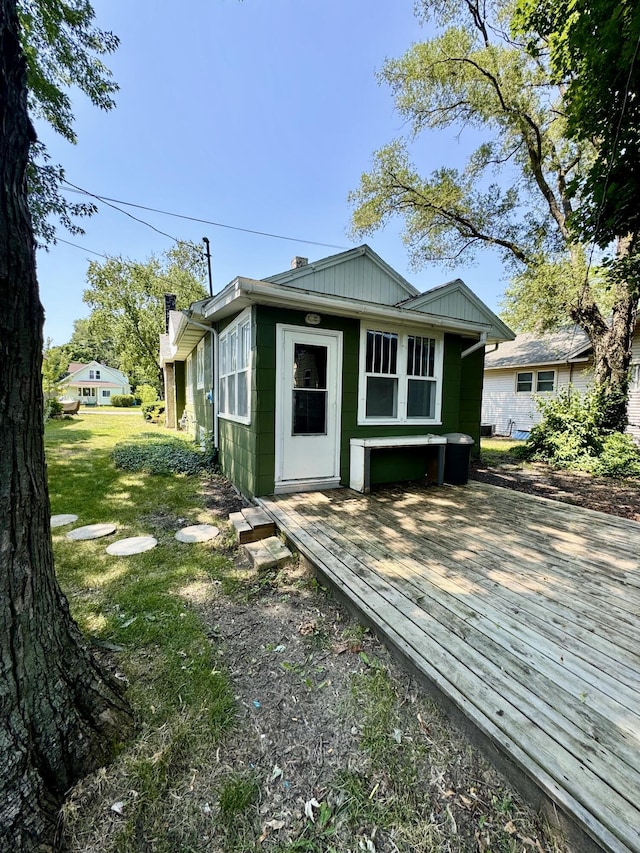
point(252, 524)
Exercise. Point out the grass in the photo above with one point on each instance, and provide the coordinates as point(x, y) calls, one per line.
point(182, 702)
point(499, 451)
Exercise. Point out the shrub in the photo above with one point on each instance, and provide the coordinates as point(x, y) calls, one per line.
point(52, 409)
point(146, 394)
point(122, 400)
point(153, 412)
point(620, 457)
point(571, 435)
point(165, 455)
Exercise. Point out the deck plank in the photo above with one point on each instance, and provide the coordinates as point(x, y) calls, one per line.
point(434, 570)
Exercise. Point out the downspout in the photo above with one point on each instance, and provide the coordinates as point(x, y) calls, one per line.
point(214, 373)
point(477, 345)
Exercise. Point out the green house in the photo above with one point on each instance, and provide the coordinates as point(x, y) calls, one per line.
point(287, 373)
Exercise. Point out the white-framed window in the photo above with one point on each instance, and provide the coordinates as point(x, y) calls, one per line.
point(106, 392)
point(188, 379)
point(200, 364)
point(234, 369)
point(86, 392)
point(545, 381)
point(540, 381)
point(634, 380)
point(400, 376)
point(94, 374)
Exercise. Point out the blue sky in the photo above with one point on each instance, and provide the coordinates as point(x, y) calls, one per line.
point(259, 114)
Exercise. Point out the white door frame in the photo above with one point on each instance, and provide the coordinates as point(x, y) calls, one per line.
point(284, 335)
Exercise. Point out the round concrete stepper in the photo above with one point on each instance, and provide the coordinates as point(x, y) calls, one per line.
point(61, 520)
point(91, 531)
point(197, 533)
point(132, 545)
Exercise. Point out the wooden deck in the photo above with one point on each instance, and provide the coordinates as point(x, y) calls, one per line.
point(522, 612)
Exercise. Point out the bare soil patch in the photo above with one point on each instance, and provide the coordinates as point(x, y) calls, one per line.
point(604, 494)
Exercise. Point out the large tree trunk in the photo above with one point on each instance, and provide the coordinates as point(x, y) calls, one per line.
point(612, 340)
point(59, 714)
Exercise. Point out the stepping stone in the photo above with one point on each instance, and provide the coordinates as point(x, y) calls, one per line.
point(197, 533)
point(252, 524)
point(267, 553)
point(91, 531)
point(61, 520)
point(132, 545)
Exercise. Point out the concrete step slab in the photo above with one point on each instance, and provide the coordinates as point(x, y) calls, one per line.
point(267, 553)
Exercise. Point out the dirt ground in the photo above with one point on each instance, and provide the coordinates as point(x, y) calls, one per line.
point(617, 497)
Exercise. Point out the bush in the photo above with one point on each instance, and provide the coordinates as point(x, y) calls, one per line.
point(620, 457)
point(122, 400)
point(146, 394)
point(52, 409)
point(153, 412)
point(165, 455)
point(571, 435)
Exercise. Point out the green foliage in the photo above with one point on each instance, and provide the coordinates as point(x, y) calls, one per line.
point(87, 345)
point(63, 47)
point(146, 394)
point(161, 455)
point(127, 302)
point(619, 457)
point(122, 401)
point(154, 412)
point(52, 409)
point(54, 367)
point(573, 434)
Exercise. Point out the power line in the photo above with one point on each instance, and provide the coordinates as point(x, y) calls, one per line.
point(82, 248)
point(112, 201)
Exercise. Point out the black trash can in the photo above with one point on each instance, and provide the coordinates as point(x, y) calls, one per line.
point(457, 456)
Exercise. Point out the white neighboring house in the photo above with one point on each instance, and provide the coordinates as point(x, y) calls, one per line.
point(93, 384)
point(518, 371)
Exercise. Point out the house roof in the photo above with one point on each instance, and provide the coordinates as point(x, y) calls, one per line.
point(366, 286)
point(530, 350)
point(112, 372)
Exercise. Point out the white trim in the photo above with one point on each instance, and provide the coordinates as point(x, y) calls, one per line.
point(200, 365)
point(403, 333)
point(332, 480)
point(188, 379)
point(228, 365)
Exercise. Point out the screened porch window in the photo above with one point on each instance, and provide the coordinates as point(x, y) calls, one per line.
point(234, 367)
point(382, 374)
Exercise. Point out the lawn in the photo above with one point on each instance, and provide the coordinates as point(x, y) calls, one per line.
point(268, 719)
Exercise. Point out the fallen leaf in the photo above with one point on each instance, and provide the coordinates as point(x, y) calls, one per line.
point(275, 773)
point(397, 735)
point(274, 824)
point(309, 806)
point(510, 827)
point(307, 628)
point(118, 807)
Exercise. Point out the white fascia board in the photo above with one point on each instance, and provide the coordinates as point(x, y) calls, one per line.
point(536, 364)
point(244, 291)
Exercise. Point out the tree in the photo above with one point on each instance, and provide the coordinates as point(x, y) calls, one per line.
point(60, 713)
point(515, 193)
point(62, 47)
point(87, 344)
point(127, 301)
point(55, 364)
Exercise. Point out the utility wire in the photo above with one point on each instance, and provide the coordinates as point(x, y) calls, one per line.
point(108, 200)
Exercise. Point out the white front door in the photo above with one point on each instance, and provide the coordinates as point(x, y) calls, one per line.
point(308, 394)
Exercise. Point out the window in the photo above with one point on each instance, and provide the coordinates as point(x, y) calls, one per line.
point(94, 374)
point(200, 364)
point(545, 381)
point(189, 378)
point(400, 377)
point(524, 381)
point(309, 390)
point(86, 392)
point(234, 356)
point(634, 382)
point(106, 392)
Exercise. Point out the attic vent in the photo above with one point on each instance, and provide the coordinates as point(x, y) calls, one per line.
point(298, 262)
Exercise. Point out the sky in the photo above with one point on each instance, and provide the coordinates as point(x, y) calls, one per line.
point(257, 115)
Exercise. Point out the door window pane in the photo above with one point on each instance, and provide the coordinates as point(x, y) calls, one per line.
point(309, 412)
point(382, 397)
point(309, 366)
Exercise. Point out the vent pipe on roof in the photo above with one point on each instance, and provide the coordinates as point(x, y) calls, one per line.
point(298, 262)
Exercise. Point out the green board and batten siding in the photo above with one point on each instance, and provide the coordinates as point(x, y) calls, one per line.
point(247, 452)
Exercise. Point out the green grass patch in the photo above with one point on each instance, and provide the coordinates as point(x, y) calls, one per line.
point(141, 605)
point(500, 451)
